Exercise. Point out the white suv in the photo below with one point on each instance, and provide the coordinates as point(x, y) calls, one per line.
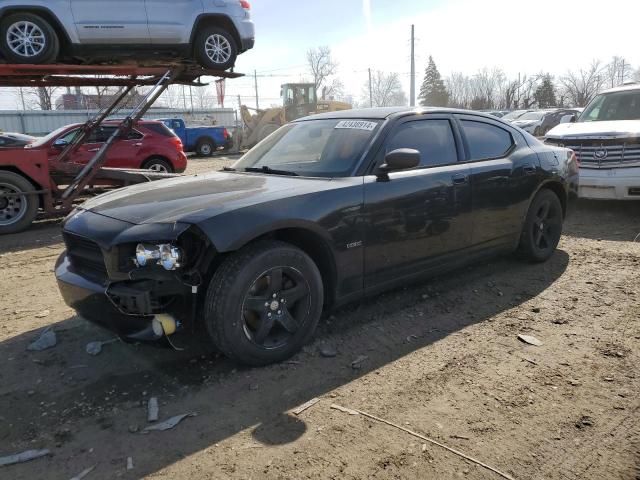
point(606, 140)
point(213, 32)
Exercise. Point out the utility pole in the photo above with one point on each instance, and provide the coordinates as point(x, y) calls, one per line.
point(370, 91)
point(255, 78)
point(191, 94)
point(412, 95)
point(24, 106)
point(623, 67)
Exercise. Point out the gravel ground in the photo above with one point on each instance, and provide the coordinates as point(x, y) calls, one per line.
point(440, 358)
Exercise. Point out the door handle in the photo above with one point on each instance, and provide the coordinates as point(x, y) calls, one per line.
point(460, 179)
point(529, 170)
point(93, 150)
point(137, 144)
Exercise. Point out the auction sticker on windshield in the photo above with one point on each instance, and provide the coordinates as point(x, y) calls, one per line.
point(357, 125)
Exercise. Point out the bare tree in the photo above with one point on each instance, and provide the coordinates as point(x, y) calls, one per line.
point(582, 86)
point(386, 90)
point(459, 88)
point(321, 66)
point(487, 85)
point(618, 71)
point(334, 90)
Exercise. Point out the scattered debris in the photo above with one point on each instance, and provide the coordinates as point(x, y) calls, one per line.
point(306, 406)
point(95, 348)
point(84, 473)
point(608, 379)
point(574, 383)
point(344, 409)
point(47, 339)
point(530, 360)
point(535, 310)
point(417, 435)
point(152, 409)
point(134, 428)
point(42, 314)
point(585, 421)
point(168, 424)
point(530, 340)
point(328, 351)
point(357, 363)
point(460, 437)
point(129, 463)
point(424, 447)
point(560, 321)
point(23, 457)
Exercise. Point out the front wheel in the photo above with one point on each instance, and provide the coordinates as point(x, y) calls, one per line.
point(263, 303)
point(28, 38)
point(542, 227)
point(216, 49)
point(17, 211)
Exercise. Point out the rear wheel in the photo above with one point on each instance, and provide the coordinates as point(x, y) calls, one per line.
point(28, 38)
point(542, 228)
point(263, 303)
point(215, 48)
point(17, 212)
point(205, 148)
point(158, 165)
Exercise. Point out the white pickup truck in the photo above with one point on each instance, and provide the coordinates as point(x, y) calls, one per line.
point(606, 140)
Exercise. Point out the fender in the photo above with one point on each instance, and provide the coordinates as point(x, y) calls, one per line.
point(47, 13)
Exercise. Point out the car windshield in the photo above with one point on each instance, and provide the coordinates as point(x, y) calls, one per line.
point(514, 115)
point(532, 116)
point(315, 148)
point(613, 106)
point(46, 139)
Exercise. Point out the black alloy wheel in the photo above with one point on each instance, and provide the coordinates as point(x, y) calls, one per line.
point(263, 303)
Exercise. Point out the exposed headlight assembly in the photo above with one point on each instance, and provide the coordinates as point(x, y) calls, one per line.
point(166, 255)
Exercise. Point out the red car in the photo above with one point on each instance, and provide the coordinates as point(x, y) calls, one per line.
point(150, 145)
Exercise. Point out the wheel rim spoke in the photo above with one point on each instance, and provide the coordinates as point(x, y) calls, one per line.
point(275, 281)
point(289, 323)
point(295, 294)
point(266, 324)
point(257, 304)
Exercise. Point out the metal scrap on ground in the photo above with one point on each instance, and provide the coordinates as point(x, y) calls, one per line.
point(23, 457)
point(84, 473)
point(95, 348)
point(530, 340)
point(427, 439)
point(152, 410)
point(168, 424)
point(47, 339)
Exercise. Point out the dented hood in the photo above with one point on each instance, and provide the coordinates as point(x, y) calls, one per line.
point(612, 129)
point(194, 198)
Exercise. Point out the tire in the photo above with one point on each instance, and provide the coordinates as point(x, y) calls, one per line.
point(205, 148)
point(159, 165)
point(211, 37)
point(249, 331)
point(43, 32)
point(16, 213)
point(542, 227)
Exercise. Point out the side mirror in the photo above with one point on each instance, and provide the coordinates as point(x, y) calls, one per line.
point(60, 143)
point(400, 159)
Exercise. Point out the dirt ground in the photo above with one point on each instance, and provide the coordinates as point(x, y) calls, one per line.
point(441, 358)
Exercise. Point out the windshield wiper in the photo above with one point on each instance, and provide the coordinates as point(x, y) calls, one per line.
point(273, 171)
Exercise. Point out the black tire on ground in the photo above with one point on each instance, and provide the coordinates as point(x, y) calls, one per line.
point(215, 48)
point(542, 227)
point(158, 164)
point(263, 303)
point(205, 148)
point(16, 213)
point(36, 52)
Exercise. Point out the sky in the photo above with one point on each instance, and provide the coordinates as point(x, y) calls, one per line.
point(462, 35)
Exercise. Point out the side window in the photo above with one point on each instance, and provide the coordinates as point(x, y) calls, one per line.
point(432, 138)
point(134, 135)
point(486, 141)
point(68, 138)
point(176, 125)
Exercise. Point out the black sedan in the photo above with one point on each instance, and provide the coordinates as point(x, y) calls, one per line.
point(327, 210)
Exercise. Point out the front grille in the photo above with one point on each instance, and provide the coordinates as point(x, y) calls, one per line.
point(85, 256)
point(605, 153)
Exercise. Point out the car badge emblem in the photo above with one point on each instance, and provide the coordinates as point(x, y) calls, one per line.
point(601, 153)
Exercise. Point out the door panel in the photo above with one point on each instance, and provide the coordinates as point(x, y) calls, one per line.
point(124, 21)
point(418, 215)
point(171, 21)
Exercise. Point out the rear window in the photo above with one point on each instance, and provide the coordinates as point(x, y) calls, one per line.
point(486, 141)
point(159, 128)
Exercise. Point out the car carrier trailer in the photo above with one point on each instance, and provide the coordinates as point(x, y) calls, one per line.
point(28, 187)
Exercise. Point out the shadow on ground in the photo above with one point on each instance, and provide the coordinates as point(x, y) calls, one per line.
point(99, 399)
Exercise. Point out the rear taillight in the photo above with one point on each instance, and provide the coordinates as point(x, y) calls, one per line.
point(225, 134)
point(244, 4)
point(177, 142)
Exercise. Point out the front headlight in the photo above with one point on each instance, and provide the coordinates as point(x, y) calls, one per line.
point(166, 255)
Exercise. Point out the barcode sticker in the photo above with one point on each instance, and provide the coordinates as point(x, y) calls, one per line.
point(357, 125)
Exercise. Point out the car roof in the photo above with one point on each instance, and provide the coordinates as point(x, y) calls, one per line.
point(382, 113)
point(624, 88)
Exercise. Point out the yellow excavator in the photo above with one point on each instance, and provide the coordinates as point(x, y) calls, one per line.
point(299, 100)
